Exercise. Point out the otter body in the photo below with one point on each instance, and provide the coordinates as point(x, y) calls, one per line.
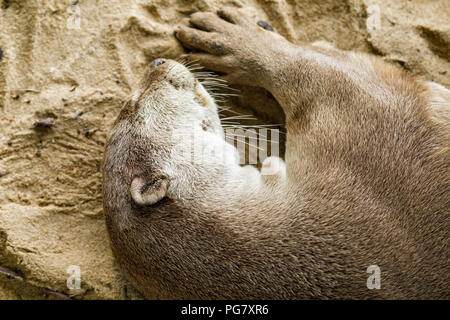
point(365, 181)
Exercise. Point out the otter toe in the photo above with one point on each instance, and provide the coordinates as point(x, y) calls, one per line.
point(199, 39)
point(233, 16)
point(207, 21)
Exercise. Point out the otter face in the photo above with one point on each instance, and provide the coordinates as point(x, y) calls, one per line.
point(170, 132)
point(170, 96)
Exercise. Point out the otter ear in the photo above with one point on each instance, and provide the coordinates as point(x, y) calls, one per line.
point(149, 193)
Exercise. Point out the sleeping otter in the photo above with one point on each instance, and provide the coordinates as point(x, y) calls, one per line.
point(365, 180)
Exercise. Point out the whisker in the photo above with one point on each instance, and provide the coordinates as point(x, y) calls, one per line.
point(229, 110)
point(241, 117)
point(216, 94)
point(247, 144)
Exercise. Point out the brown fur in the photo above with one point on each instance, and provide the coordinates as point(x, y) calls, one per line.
point(368, 183)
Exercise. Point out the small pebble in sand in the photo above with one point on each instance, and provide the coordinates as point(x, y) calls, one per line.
point(79, 114)
point(44, 123)
point(89, 132)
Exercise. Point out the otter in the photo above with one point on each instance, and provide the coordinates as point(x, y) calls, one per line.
point(364, 184)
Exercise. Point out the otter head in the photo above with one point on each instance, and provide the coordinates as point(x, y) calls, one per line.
point(170, 93)
point(161, 134)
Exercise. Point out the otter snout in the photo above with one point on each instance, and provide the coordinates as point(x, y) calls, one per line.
point(158, 62)
point(171, 72)
point(171, 78)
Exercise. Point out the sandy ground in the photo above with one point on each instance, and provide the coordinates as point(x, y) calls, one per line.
point(77, 62)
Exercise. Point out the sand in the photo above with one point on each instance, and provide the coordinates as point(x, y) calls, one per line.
point(71, 67)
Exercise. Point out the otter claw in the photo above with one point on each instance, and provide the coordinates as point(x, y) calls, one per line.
point(265, 25)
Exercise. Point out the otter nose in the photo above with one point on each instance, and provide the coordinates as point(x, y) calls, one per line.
point(158, 62)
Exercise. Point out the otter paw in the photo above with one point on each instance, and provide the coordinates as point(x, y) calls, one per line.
point(273, 166)
point(229, 43)
point(207, 32)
